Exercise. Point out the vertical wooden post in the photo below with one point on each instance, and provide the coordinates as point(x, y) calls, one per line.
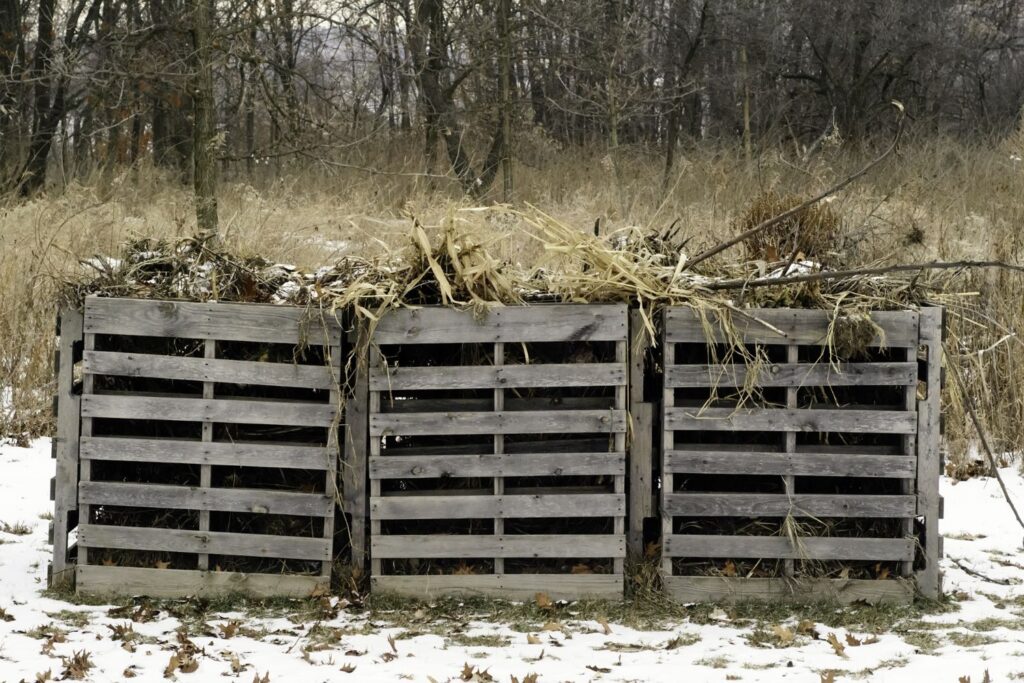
point(668, 401)
point(85, 466)
point(929, 581)
point(789, 481)
point(499, 448)
point(356, 447)
point(909, 447)
point(376, 565)
point(333, 448)
point(621, 403)
point(65, 443)
point(206, 471)
point(640, 458)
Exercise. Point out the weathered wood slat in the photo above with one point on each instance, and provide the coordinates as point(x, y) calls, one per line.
point(234, 454)
point(208, 370)
point(883, 549)
point(174, 583)
point(688, 589)
point(799, 326)
point(792, 375)
point(497, 376)
point(798, 464)
point(543, 323)
point(208, 542)
point(928, 449)
point(503, 465)
point(471, 405)
point(66, 440)
point(504, 422)
point(189, 498)
point(507, 586)
point(504, 507)
point(790, 419)
point(292, 413)
point(781, 505)
point(484, 546)
point(221, 321)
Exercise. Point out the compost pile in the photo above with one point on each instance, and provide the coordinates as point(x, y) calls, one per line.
point(454, 267)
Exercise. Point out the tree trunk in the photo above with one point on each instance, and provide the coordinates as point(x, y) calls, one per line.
point(33, 178)
point(505, 11)
point(203, 108)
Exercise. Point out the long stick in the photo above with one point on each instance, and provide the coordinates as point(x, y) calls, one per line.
point(968, 404)
point(764, 225)
point(740, 283)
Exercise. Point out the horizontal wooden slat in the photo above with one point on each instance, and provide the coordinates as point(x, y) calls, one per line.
point(506, 586)
point(211, 542)
point(515, 422)
point(797, 464)
point(235, 454)
point(500, 507)
point(799, 326)
point(222, 321)
point(292, 413)
point(390, 404)
point(208, 370)
point(688, 589)
point(175, 583)
point(504, 465)
point(781, 505)
point(189, 498)
point(883, 549)
point(497, 376)
point(794, 420)
point(542, 323)
point(792, 375)
point(482, 546)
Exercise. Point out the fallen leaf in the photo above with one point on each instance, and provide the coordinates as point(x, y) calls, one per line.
point(388, 657)
point(391, 642)
point(129, 672)
point(599, 669)
point(265, 679)
point(605, 626)
point(349, 668)
point(543, 601)
point(581, 568)
point(552, 626)
point(44, 676)
point(230, 629)
point(828, 677)
point(730, 568)
point(784, 635)
point(532, 639)
point(160, 564)
point(852, 641)
point(836, 645)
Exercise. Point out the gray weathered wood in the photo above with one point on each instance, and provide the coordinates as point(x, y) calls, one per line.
point(514, 422)
point(126, 407)
point(233, 454)
point(498, 545)
point(498, 376)
point(810, 548)
point(507, 586)
point(357, 451)
point(542, 323)
point(208, 370)
point(505, 507)
point(66, 440)
point(799, 326)
point(175, 583)
point(929, 468)
point(222, 321)
point(502, 465)
point(641, 504)
point(797, 464)
point(687, 589)
point(390, 405)
point(792, 375)
point(789, 419)
point(206, 542)
point(781, 505)
point(194, 498)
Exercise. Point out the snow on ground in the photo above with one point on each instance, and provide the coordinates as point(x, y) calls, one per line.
point(981, 629)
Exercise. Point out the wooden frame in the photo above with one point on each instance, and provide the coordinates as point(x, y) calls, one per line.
point(402, 406)
point(251, 397)
point(710, 452)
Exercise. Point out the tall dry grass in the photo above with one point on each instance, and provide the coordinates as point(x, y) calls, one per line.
point(939, 198)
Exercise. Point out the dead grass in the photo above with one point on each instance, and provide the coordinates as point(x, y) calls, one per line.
point(939, 199)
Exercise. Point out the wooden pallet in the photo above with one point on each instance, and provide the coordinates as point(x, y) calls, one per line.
point(822, 443)
point(482, 459)
point(214, 401)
